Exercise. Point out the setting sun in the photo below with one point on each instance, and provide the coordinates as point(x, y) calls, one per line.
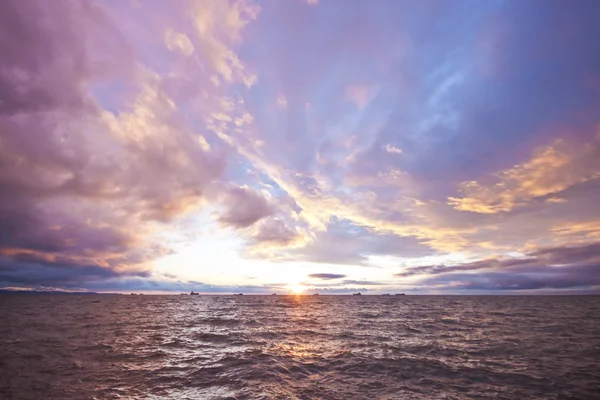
point(296, 288)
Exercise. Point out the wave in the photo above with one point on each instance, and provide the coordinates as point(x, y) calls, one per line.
point(263, 348)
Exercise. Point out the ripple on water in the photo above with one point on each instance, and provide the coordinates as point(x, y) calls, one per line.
point(253, 347)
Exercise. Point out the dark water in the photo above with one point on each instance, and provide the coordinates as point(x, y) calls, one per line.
point(306, 347)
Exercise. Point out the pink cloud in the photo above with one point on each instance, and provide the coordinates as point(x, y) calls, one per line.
point(244, 207)
point(88, 187)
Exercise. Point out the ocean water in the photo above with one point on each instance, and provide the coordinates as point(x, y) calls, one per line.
point(299, 347)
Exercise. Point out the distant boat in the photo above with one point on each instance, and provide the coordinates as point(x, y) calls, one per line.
point(133, 294)
point(316, 294)
point(386, 294)
point(274, 294)
point(238, 294)
point(192, 293)
point(356, 294)
point(400, 294)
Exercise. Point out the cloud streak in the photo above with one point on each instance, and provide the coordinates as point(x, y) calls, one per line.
point(559, 267)
point(325, 276)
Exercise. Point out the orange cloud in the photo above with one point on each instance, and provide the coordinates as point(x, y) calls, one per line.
point(581, 231)
point(219, 25)
point(551, 170)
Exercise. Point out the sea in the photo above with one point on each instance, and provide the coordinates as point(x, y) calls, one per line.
point(299, 347)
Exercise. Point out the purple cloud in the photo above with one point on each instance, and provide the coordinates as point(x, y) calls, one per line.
point(326, 276)
point(83, 188)
point(245, 206)
point(575, 277)
point(365, 283)
point(557, 267)
point(275, 231)
point(47, 66)
point(545, 257)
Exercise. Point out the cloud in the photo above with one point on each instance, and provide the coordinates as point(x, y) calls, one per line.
point(448, 127)
point(557, 267)
point(122, 125)
point(179, 42)
point(97, 154)
point(245, 206)
point(544, 257)
point(393, 149)
point(326, 276)
point(274, 231)
point(365, 283)
point(46, 66)
point(551, 170)
point(218, 27)
point(580, 277)
point(569, 254)
point(282, 102)
point(275, 238)
point(348, 243)
point(46, 155)
point(580, 231)
point(29, 269)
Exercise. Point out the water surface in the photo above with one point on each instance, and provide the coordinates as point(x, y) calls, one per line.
point(299, 347)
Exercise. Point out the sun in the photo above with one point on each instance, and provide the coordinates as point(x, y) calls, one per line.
point(296, 288)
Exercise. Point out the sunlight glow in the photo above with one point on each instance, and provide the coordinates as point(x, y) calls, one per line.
point(297, 288)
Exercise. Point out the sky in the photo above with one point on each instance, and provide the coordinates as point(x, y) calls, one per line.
point(331, 146)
